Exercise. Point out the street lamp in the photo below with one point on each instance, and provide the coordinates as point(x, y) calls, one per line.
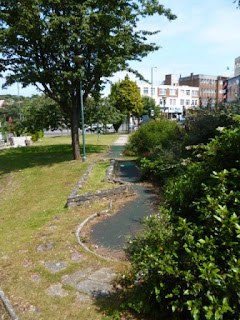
point(79, 59)
point(152, 81)
point(164, 105)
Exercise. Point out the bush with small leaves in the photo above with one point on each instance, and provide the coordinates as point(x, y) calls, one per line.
point(186, 262)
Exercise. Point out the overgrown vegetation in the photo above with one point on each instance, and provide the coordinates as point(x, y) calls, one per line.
point(186, 263)
point(163, 146)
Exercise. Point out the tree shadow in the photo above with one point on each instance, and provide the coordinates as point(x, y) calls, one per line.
point(16, 159)
point(114, 307)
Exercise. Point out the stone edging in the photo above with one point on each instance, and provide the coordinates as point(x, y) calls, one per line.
point(7, 305)
point(82, 225)
point(82, 179)
point(75, 199)
point(89, 197)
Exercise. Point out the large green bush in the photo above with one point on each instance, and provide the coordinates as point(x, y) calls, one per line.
point(201, 124)
point(186, 262)
point(159, 146)
point(152, 137)
point(221, 153)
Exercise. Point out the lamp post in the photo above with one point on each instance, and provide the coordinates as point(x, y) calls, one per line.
point(79, 59)
point(164, 105)
point(152, 81)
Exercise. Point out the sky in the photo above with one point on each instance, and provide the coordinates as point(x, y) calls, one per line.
point(204, 39)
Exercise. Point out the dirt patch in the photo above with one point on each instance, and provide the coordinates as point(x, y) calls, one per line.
point(5, 180)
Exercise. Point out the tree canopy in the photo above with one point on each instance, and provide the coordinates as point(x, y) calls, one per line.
point(126, 97)
point(38, 40)
point(149, 105)
point(103, 112)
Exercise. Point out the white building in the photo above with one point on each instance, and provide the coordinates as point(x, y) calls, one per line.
point(172, 99)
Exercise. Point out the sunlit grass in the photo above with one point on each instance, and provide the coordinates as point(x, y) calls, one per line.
point(96, 177)
point(35, 182)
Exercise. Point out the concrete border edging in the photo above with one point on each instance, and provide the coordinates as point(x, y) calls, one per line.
point(80, 228)
point(8, 305)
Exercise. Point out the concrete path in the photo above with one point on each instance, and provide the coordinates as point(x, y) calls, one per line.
point(122, 140)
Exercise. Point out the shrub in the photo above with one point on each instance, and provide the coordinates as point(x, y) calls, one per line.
point(221, 153)
point(201, 124)
point(36, 135)
point(152, 137)
point(186, 263)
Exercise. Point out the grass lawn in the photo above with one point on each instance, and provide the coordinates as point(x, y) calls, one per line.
point(35, 182)
point(96, 177)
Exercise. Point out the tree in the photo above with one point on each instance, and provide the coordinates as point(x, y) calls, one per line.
point(11, 114)
point(148, 105)
point(12, 107)
point(102, 111)
point(41, 112)
point(126, 97)
point(38, 40)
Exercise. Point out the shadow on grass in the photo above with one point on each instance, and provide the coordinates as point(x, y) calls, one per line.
point(117, 306)
point(113, 307)
point(27, 157)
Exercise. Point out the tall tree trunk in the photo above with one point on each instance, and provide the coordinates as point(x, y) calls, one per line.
point(75, 116)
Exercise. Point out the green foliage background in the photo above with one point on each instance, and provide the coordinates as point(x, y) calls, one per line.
point(186, 262)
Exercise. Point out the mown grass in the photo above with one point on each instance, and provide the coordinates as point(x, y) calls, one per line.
point(34, 184)
point(96, 177)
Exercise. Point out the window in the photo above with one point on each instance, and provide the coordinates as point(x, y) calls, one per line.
point(187, 102)
point(172, 102)
point(196, 102)
point(195, 93)
point(188, 92)
point(182, 92)
point(145, 90)
point(152, 91)
point(192, 102)
point(173, 92)
point(162, 91)
point(182, 102)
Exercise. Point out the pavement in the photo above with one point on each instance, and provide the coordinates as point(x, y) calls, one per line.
point(112, 233)
point(122, 140)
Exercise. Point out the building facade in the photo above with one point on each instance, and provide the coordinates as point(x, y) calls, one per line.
point(173, 100)
point(210, 87)
point(233, 89)
point(237, 67)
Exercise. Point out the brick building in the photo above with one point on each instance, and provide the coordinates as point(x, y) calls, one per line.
point(210, 87)
point(171, 98)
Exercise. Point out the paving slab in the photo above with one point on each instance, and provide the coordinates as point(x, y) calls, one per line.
point(105, 275)
point(94, 288)
point(57, 291)
point(74, 278)
point(56, 266)
point(82, 298)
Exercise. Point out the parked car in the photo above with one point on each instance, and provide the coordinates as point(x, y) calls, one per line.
point(95, 127)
